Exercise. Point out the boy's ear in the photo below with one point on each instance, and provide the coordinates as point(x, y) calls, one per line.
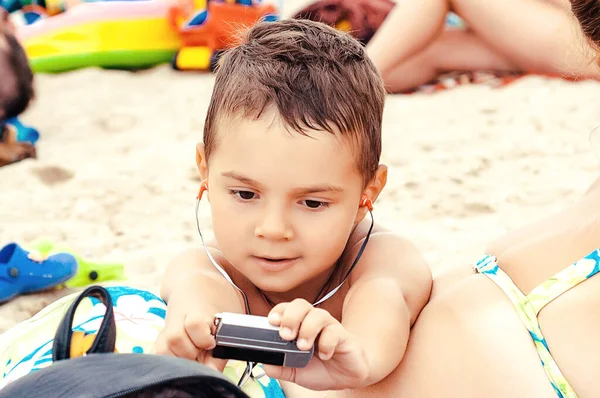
point(201, 161)
point(373, 189)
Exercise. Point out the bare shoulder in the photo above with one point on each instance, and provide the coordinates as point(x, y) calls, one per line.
point(386, 253)
point(394, 258)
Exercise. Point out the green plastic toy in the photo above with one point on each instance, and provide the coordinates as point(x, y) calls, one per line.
point(88, 272)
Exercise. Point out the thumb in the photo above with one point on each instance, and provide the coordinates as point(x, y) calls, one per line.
point(214, 363)
point(280, 372)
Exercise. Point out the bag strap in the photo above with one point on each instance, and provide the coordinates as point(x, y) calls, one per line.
point(107, 333)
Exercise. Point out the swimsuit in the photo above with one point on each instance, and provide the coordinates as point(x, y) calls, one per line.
point(529, 306)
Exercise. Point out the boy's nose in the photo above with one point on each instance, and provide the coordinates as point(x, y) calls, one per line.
point(273, 225)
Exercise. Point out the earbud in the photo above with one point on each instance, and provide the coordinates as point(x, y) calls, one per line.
point(365, 201)
point(203, 187)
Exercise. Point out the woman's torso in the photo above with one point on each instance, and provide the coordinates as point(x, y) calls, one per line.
point(469, 340)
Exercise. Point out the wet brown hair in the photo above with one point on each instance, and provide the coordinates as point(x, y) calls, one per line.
point(315, 76)
point(587, 13)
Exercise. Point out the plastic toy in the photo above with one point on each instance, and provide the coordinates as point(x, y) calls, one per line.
point(207, 28)
point(31, 12)
point(107, 34)
point(88, 272)
point(44, 8)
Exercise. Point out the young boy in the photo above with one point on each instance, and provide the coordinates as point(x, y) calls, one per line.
point(291, 151)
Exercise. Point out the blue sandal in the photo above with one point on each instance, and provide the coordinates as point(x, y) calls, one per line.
point(19, 274)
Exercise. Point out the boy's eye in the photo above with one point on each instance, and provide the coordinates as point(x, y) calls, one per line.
point(244, 195)
point(314, 204)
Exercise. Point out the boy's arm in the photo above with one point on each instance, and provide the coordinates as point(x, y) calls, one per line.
point(192, 274)
point(194, 291)
point(389, 287)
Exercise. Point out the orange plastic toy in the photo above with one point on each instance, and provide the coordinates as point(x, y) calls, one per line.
point(208, 26)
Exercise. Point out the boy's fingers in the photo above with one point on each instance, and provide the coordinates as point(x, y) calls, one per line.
point(199, 330)
point(212, 362)
point(314, 322)
point(329, 340)
point(177, 343)
point(276, 314)
point(218, 364)
point(292, 317)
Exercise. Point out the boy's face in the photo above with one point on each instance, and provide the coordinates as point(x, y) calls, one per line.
point(283, 204)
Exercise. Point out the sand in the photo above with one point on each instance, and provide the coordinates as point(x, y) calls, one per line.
point(116, 177)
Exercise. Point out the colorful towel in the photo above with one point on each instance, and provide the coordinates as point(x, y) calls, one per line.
point(139, 316)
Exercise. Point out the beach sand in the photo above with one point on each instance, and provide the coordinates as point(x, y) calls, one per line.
point(116, 176)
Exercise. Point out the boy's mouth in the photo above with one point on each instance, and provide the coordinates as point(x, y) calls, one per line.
point(274, 263)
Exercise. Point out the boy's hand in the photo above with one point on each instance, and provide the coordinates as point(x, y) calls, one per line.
point(189, 335)
point(339, 361)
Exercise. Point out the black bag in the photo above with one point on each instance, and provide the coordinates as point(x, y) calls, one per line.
point(101, 373)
